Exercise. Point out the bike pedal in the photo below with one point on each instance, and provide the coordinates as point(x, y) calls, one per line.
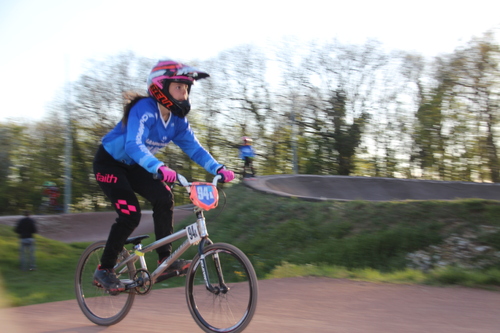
point(114, 293)
point(111, 292)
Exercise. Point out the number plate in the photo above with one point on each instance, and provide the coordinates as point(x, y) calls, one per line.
point(204, 195)
point(192, 233)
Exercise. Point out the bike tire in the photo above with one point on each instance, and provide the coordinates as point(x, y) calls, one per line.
point(97, 305)
point(223, 312)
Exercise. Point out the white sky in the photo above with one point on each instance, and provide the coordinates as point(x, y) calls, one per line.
point(44, 43)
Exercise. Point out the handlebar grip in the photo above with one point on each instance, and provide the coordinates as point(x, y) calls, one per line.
point(158, 176)
point(217, 179)
point(182, 180)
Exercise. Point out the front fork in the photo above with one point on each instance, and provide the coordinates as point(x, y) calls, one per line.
point(222, 287)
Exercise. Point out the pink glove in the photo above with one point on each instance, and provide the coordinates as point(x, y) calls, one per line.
point(227, 175)
point(169, 175)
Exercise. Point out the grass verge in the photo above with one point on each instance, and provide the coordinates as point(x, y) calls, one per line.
point(486, 279)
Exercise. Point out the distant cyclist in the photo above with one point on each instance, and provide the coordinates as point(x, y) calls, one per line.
point(247, 154)
point(125, 162)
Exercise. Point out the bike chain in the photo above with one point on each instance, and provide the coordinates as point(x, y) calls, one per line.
point(143, 279)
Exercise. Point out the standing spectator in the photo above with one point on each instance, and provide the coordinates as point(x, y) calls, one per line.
point(26, 227)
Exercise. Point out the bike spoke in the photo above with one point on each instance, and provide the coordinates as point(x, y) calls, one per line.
point(229, 311)
point(99, 306)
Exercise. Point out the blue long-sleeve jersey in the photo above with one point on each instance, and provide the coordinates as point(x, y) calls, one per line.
point(246, 151)
point(146, 133)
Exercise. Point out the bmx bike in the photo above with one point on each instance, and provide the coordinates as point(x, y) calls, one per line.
point(221, 285)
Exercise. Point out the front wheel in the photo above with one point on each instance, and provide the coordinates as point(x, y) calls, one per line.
point(228, 305)
point(99, 306)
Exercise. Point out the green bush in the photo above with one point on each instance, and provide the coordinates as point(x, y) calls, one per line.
point(492, 239)
point(455, 275)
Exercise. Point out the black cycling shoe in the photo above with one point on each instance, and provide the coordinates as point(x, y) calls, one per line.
point(178, 268)
point(107, 279)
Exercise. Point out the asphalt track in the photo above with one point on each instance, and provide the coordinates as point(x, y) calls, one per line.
point(292, 304)
point(342, 188)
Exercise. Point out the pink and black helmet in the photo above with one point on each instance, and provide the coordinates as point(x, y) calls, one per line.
point(166, 71)
point(246, 140)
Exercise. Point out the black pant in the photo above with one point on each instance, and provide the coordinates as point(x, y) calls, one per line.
point(248, 164)
point(120, 182)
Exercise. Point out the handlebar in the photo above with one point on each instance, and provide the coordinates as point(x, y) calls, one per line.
point(202, 197)
point(184, 182)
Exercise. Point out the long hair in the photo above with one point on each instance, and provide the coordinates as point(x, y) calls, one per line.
point(131, 98)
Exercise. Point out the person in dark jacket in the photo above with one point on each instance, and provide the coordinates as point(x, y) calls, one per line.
point(26, 227)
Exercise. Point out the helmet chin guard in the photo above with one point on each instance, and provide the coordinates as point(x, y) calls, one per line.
point(165, 72)
point(162, 96)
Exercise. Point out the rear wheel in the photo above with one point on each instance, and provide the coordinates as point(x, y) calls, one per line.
point(231, 304)
point(99, 306)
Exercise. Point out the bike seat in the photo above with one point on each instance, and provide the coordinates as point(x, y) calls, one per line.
point(136, 240)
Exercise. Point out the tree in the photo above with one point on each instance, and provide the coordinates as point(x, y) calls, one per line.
point(236, 100)
point(477, 70)
point(456, 136)
point(338, 104)
point(347, 137)
point(338, 109)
